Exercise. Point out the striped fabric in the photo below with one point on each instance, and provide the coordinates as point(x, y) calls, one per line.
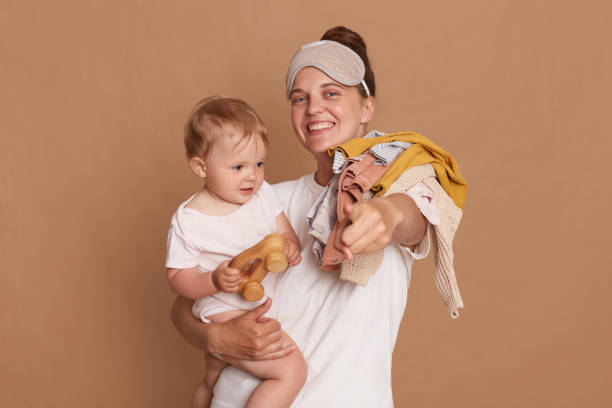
point(384, 152)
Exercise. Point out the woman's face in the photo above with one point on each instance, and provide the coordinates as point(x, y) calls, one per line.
point(326, 113)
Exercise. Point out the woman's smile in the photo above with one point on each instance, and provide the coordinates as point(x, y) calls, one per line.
point(314, 126)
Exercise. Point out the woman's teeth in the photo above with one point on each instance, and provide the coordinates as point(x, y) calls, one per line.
point(319, 126)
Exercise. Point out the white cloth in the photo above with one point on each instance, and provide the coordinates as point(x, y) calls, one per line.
point(345, 331)
point(198, 239)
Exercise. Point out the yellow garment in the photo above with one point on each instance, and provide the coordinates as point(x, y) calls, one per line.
point(423, 151)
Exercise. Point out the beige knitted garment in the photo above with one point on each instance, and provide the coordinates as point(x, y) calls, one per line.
point(362, 266)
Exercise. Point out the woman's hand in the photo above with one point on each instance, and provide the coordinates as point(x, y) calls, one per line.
point(372, 225)
point(247, 337)
point(226, 279)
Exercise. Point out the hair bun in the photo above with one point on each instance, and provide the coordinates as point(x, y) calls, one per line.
point(346, 37)
point(354, 41)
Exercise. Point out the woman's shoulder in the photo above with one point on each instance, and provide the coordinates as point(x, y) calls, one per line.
point(288, 188)
point(284, 186)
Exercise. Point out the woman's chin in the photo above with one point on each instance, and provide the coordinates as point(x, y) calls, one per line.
point(321, 144)
point(318, 149)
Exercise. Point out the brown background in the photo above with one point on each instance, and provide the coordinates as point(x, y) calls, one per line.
point(92, 101)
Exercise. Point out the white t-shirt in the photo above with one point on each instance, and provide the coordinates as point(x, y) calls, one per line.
point(346, 331)
point(196, 238)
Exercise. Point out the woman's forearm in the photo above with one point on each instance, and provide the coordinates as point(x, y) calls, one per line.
point(410, 223)
point(247, 337)
point(192, 330)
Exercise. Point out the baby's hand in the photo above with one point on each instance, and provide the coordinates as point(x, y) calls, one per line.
point(226, 279)
point(292, 252)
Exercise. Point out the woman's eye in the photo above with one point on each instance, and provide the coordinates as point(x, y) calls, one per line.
point(332, 93)
point(237, 167)
point(298, 99)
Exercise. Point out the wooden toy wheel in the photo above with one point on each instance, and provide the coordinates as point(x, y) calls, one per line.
point(276, 262)
point(252, 291)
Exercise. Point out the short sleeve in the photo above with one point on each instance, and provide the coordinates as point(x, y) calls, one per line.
point(426, 203)
point(422, 249)
point(271, 200)
point(179, 253)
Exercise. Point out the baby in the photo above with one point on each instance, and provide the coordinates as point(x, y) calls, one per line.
point(226, 146)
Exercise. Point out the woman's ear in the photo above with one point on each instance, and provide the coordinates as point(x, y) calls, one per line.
point(198, 166)
point(367, 109)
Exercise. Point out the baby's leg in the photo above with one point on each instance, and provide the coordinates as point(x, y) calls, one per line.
point(202, 397)
point(283, 378)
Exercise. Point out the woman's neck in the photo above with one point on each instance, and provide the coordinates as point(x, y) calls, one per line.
point(324, 171)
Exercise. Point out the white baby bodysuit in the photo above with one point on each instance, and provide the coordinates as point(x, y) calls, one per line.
point(198, 239)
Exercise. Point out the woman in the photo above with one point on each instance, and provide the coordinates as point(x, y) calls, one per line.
point(346, 331)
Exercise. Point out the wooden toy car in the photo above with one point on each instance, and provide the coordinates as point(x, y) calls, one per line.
point(254, 264)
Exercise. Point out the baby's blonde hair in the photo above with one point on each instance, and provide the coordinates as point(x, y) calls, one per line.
point(217, 116)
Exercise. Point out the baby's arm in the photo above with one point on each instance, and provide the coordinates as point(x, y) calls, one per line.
point(192, 283)
point(292, 249)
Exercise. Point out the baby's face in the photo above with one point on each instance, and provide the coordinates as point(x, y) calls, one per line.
point(234, 173)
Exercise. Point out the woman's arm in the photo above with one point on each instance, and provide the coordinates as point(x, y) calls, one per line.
point(372, 225)
point(247, 337)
